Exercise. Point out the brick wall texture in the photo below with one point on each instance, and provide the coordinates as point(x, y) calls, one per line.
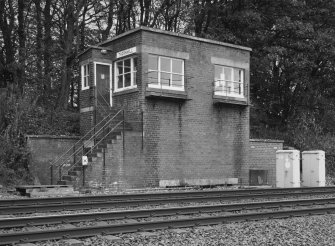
point(44, 151)
point(182, 140)
point(262, 156)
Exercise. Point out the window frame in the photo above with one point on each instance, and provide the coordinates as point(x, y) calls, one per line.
point(226, 93)
point(85, 76)
point(133, 81)
point(159, 71)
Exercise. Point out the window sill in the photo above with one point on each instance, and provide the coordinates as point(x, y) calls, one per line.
point(164, 93)
point(125, 91)
point(85, 88)
point(219, 99)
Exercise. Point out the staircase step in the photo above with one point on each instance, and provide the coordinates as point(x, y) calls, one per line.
point(69, 178)
point(74, 173)
point(61, 182)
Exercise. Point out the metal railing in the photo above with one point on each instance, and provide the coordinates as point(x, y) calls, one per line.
point(90, 137)
point(228, 88)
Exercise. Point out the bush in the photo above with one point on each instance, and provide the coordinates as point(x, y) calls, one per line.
point(20, 117)
point(14, 164)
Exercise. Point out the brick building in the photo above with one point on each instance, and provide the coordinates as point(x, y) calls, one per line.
point(186, 109)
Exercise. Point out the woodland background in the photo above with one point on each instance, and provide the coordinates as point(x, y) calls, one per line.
point(292, 64)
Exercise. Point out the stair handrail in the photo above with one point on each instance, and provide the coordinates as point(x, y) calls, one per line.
point(102, 98)
point(83, 138)
point(73, 165)
point(99, 131)
point(91, 138)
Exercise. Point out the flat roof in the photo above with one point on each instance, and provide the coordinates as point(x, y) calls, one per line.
point(149, 29)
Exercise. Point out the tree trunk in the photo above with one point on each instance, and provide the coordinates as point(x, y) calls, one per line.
point(69, 56)
point(47, 45)
point(39, 54)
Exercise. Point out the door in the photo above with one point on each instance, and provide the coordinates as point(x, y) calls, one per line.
point(103, 84)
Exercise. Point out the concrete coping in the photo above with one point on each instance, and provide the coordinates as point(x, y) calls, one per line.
point(53, 137)
point(288, 151)
point(92, 47)
point(313, 152)
point(149, 29)
point(266, 140)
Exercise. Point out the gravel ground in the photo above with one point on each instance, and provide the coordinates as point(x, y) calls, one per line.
point(312, 230)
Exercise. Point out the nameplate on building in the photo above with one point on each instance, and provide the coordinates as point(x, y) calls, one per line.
point(126, 52)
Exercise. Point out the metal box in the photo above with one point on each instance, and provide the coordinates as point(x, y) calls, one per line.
point(313, 168)
point(287, 168)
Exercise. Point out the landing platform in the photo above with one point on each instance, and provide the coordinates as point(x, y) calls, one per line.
point(45, 190)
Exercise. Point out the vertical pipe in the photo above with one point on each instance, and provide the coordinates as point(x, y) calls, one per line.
point(84, 175)
point(123, 129)
point(142, 122)
point(104, 167)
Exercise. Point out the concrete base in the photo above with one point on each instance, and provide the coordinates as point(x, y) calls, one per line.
point(198, 182)
point(45, 190)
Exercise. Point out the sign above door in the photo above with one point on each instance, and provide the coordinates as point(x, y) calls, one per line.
point(126, 52)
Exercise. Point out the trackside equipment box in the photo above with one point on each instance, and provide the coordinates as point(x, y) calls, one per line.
point(287, 168)
point(313, 168)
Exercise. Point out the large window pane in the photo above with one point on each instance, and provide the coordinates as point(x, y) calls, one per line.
point(177, 80)
point(127, 64)
point(153, 62)
point(127, 79)
point(165, 64)
point(218, 73)
point(120, 81)
point(119, 69)
point(227, 73)
point(177, 66)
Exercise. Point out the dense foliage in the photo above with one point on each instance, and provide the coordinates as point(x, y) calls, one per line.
point(292, 62)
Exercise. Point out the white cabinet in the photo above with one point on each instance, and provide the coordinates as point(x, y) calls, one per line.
point(287, 168)
point(313, 168)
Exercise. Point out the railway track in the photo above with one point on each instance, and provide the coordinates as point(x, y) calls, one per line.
point(16, 206)
point(159, 218)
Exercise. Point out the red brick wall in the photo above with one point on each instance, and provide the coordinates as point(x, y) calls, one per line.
point(262, 156)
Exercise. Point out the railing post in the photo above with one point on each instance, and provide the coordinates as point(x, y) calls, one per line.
point(83, 175)
point(74, 154)
point(60, 173)
point(51, 174)
point(123, 128)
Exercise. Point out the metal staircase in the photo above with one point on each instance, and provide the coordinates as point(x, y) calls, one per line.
point(94, 144)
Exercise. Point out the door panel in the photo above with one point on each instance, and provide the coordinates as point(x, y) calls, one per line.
point(103, 79)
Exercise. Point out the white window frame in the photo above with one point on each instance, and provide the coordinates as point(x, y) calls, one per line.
point(225, 84)
point(85, 77)
point(110, 78)
point(132, 73)
point(166, 87)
